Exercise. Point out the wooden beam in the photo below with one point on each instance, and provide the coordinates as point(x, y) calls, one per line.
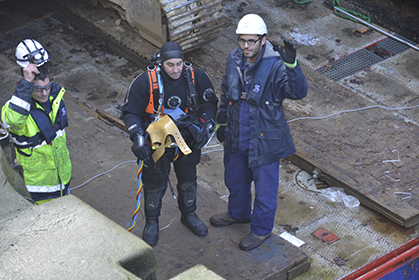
point(111, 120)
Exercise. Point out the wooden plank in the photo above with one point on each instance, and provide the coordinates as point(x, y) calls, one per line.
point(219, 251)
point(355, 150)
point(111, 120)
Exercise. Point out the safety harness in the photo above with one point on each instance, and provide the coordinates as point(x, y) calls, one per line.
point(161, 125)
point(156, 95)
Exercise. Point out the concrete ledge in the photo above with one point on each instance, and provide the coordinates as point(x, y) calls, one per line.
point(197, 272)
point(66, 239)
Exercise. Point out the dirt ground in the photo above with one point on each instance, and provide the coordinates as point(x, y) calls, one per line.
point(399, 16)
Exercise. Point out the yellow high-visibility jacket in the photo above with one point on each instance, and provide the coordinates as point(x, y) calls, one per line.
point(39, 138)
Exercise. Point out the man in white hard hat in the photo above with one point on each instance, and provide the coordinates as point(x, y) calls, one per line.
point(36, 117)
point(253, 127)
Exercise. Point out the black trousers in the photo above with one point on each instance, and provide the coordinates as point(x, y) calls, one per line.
point(155, 180)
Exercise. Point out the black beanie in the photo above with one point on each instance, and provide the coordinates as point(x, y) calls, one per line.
point(170, 50)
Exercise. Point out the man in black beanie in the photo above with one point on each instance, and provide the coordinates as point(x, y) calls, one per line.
point(190, 90)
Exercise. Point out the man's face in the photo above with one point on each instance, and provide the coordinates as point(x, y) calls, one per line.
point(251, 52)
point(173, 67)
point(42, 90)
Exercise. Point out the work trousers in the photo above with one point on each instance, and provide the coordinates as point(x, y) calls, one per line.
point(238, 179)
point(155, 179)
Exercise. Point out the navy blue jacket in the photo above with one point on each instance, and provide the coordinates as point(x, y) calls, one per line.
point(269, 82)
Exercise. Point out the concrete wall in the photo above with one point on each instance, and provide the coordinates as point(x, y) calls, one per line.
point(64, 239)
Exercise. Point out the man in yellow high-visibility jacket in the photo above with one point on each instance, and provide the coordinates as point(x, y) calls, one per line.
point(36, 118)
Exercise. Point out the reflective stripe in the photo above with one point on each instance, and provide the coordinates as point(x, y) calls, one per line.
point(40, 145)
point(4, 121)
point(45, 189)
point(19, 143)
point(6, 125)
point(20, 103)
point(60, 133)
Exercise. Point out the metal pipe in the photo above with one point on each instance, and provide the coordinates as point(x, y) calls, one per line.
point(376, 28)
point(391, 265)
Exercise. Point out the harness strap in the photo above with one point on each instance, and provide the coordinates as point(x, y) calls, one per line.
point(43, 122)
point(193, 95)
point(154, 86)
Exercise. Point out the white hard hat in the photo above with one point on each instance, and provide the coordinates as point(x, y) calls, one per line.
point(30, 51)
point(251, 24)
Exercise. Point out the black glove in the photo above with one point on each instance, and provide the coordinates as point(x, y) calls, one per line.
point(184, 124)
point(220, 132)
point(205, 134)
point(140, 147)
point(288, 53)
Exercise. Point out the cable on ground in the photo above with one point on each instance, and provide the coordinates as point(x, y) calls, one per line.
point(353, 110)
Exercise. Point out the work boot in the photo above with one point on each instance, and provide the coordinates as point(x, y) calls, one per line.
point(151, 232)
point(192, 222)
point(251, 241)
point(222, 220)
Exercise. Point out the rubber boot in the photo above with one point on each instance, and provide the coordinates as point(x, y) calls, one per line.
point(151, 232)
point(192, 222)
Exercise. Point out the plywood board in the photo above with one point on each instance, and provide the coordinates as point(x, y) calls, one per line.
point(371, 153)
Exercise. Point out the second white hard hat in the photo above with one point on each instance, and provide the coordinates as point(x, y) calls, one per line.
point(251, 24)
point(30, 51)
